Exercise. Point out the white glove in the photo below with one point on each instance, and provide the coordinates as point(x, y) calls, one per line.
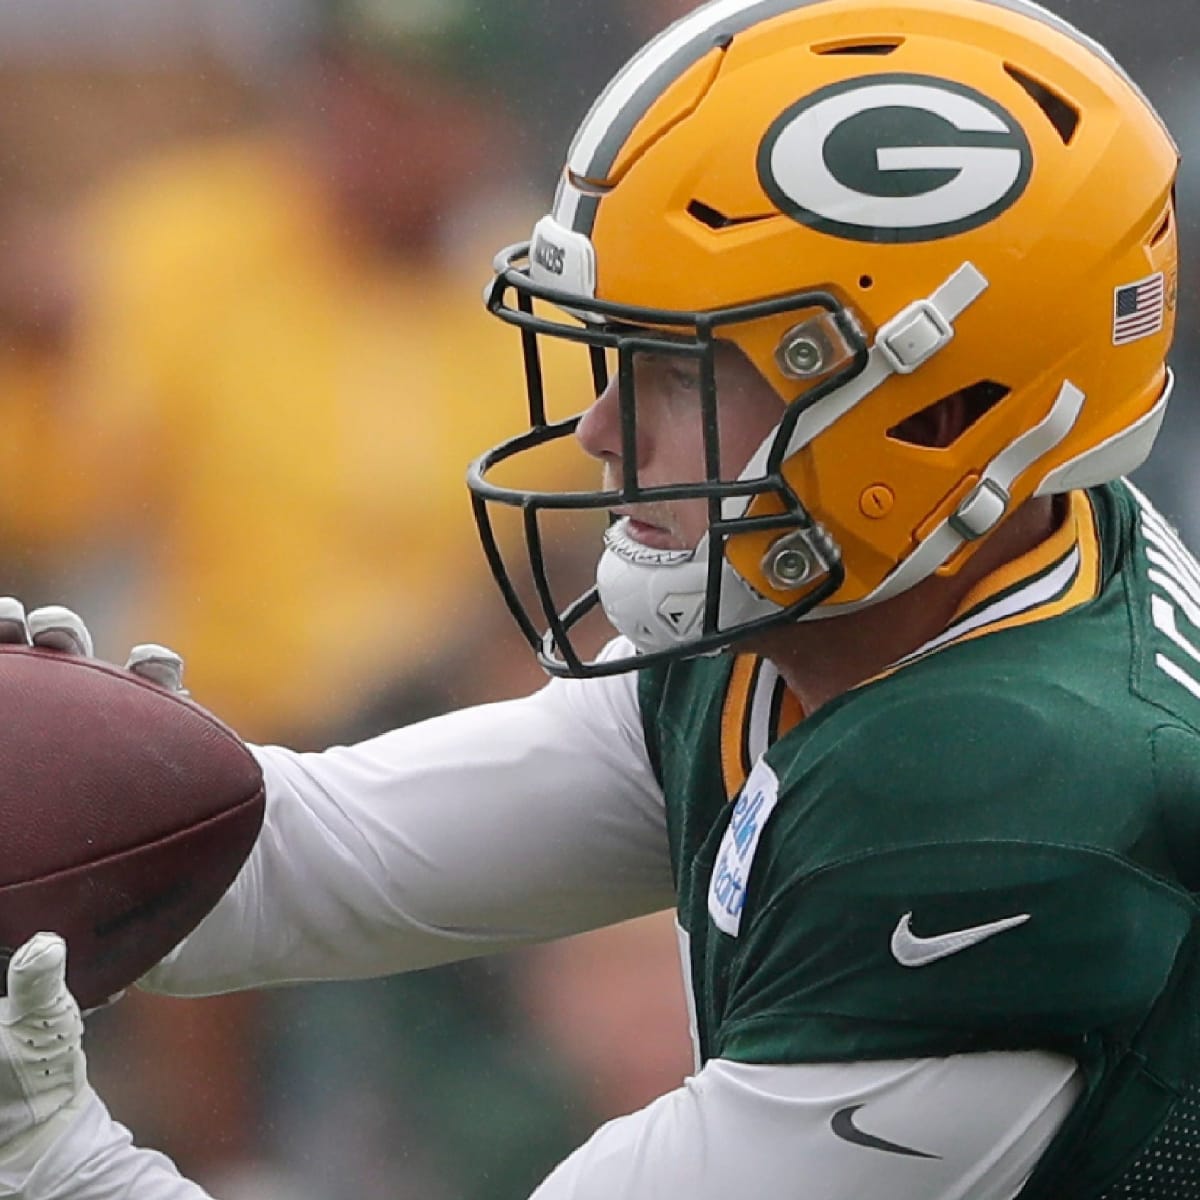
point(42, 1066)
point(57, 1141)
point(56, 628)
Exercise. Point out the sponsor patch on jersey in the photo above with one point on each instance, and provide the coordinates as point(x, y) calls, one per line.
point(727, 887)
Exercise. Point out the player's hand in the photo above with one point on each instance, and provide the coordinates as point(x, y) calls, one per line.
point(56, 628)
point(56, 1135)
point(42, 1066)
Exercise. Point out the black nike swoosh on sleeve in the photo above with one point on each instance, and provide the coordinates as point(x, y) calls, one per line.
point(843, 1126)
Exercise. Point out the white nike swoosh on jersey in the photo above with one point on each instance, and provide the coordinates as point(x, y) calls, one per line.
point(909, 950)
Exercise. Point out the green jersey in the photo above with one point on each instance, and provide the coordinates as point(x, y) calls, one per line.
point(993, 846)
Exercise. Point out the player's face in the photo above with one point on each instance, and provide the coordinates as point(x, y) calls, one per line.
point(670, 439)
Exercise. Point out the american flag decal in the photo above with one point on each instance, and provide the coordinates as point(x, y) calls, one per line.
point(1138, 309)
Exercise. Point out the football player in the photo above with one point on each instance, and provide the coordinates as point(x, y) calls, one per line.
point(903, 715)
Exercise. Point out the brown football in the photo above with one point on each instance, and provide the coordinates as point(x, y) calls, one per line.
point(126, 811)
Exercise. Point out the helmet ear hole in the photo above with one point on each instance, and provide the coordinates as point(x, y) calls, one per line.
point(860, 46)
point(940, 424)
point(1164, 227)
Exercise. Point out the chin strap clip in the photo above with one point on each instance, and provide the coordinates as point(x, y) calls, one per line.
point(916, 333)
point(982, 510)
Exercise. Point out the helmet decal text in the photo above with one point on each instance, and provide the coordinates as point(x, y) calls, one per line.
point(895, 158)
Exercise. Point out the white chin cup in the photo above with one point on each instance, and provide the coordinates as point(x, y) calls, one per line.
point(656, 597)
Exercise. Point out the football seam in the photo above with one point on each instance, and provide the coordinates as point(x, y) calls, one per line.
point(259, 798)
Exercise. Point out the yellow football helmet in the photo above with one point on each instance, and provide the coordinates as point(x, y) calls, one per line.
point(882, 206)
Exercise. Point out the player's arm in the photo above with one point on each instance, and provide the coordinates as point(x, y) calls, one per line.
point(484, 829)
point(923, 1129)
point(933, 1129)
point(462, 835)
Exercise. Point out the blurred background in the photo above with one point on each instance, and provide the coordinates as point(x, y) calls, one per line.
point(243, 363)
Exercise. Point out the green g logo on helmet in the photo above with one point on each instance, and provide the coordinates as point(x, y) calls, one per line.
point(895, 158)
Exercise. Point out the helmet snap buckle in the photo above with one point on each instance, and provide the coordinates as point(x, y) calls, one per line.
point(981, 511)
point(913, 336)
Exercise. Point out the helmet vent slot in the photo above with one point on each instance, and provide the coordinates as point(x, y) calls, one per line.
point(940, 424)
point(878, 46)
point(1163, 229)
point(1061, 113)
point(589, 187)
point(715, 219)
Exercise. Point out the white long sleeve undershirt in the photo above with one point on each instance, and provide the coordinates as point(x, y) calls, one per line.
point(463, 835)
point(978, 1122)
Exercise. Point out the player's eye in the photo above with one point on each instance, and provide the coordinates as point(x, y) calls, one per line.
point(684, 375)
point(668, 369)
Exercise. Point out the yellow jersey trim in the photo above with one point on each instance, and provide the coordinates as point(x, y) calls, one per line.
point(758, 708)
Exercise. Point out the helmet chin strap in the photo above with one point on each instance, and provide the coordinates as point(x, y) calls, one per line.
point(657, 598)
point(984, 508)
point(988, 502)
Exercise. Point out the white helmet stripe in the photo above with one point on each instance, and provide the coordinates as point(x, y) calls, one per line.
point(573, 209)
point(650, 72)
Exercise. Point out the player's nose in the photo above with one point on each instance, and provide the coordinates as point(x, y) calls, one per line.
point(599, 429)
